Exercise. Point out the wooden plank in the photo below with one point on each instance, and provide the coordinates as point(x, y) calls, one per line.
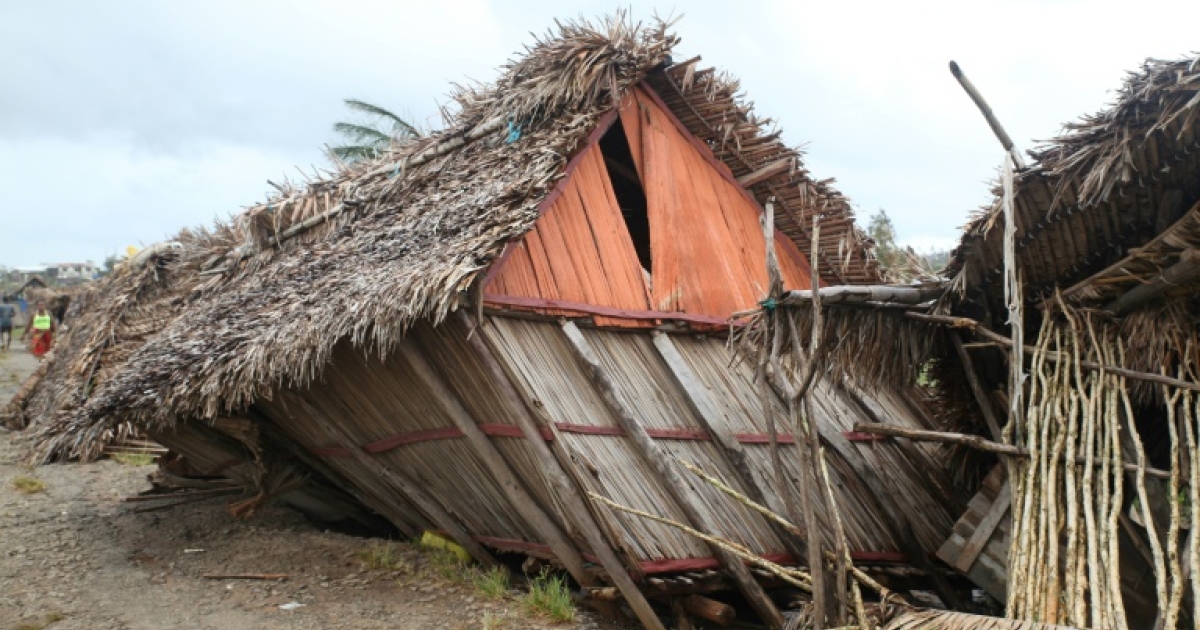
point(654, 456)
point(518, 497)
point(984, 530)
point(520, 409)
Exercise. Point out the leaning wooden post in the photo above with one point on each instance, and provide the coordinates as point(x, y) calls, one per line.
point(981, 397)
point(750, 589)
point(412, 492)
point(502, 474)
point(518, 406)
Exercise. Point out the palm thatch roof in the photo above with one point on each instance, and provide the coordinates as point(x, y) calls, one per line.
point(219, 317)
point(1100, 191)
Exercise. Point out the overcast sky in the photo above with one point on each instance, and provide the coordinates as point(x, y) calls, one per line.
point(123, 121)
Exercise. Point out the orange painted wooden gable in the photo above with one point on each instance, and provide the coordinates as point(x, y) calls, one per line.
point(706, 245)
point(579, 250)
point(706, 242)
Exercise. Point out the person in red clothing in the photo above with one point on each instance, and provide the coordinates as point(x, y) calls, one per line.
point(40, 326)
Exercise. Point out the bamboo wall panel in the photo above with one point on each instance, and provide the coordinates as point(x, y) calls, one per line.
point(736, 397)
point(374, 400)
point(446, 346)
point(538, 354)
point(706, 243)
point(648, 388)
point(579, 250)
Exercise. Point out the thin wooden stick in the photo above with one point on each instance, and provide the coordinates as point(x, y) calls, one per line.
point(981, 330)
point(867, 580)
point(792, 576)
point(978, 443)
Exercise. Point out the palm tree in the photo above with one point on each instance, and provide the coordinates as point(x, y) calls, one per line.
point(365, 141)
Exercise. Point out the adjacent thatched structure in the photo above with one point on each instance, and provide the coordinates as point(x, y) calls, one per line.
point(1089, 519)
point(483, 327)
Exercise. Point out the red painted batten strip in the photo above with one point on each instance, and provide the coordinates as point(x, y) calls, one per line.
point(762, 438)
point(411, 438)
point(494, 300)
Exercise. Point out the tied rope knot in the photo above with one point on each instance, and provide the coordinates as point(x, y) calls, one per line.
point(769, 304)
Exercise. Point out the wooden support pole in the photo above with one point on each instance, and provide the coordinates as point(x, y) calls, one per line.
point(410, 491)
point(861, 294)
point(520, 410)
point(727, 445)
point(983, 331)
point(520, 498)
point(895, 514)
point(981, 397)
point(988, 115)
point(654, 456)
point(978, 443)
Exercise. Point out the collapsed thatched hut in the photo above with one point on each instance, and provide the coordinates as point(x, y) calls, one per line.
point(1076, 361)
point(476, 331)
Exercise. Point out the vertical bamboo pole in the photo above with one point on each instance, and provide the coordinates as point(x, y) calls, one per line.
point(750, 589)
point(502, 474)
point(519, 408)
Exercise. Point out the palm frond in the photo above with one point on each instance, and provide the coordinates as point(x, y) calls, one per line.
point(363, 134)
point(947, 620)
point(354, 153)
point(402, 128)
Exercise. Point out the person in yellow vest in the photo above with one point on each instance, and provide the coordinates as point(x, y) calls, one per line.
point(40, 325)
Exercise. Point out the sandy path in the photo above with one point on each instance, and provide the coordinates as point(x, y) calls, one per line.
point(76, 553)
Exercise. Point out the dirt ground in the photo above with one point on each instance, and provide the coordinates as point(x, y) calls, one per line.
point(74, 556)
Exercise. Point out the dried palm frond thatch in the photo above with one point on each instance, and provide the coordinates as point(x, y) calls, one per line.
point(221, 317)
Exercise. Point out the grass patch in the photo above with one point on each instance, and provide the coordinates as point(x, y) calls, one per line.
point(132, 459)
point(28, 485)
point(385, 556)
point(490, 584)
point(43, 622)
point(447, 565)
point(550, 597)
point(493, 621)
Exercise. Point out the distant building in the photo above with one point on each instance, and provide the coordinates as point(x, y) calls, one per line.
point(72, 273)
